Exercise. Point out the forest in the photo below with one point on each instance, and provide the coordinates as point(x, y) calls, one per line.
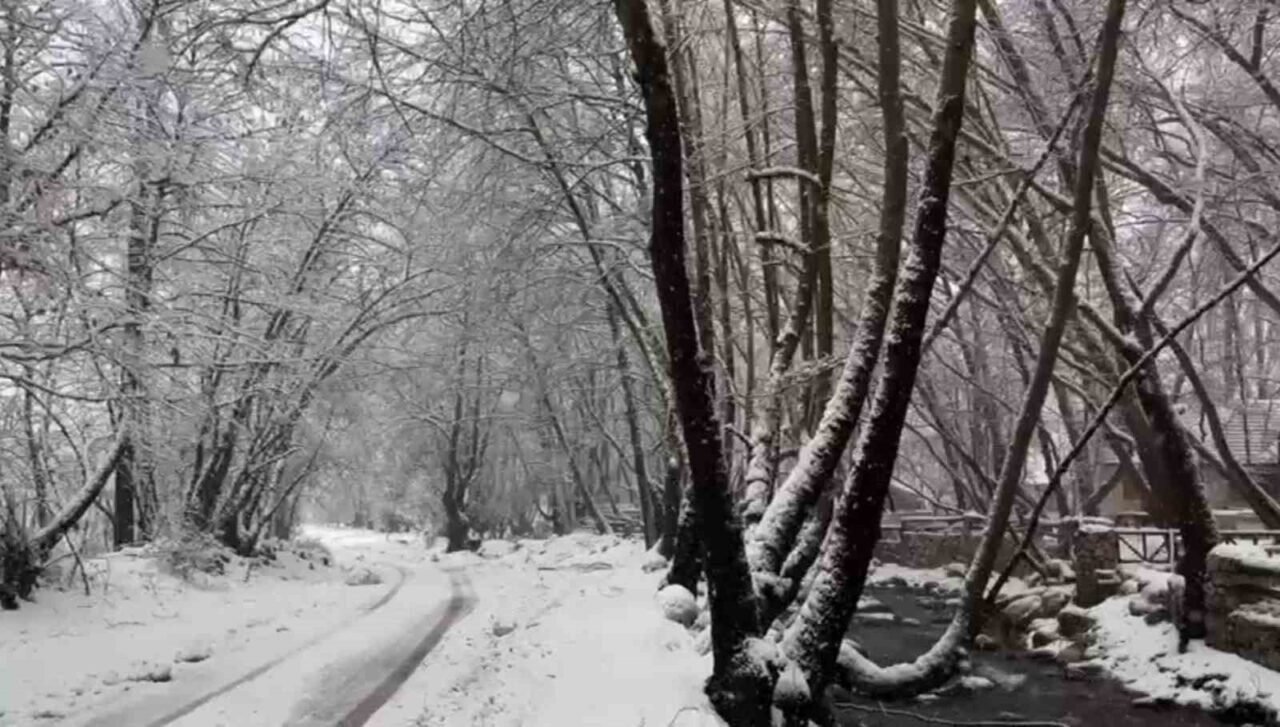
point(735, 277)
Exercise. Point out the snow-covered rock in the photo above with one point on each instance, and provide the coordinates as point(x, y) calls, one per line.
point(974, 683)
point(678, 605)
point(194, 653)
point(491, 549)
point(1022, 609)
point(653, 561)
point(1053, 601)
point(1074, 621)
point(363, 576)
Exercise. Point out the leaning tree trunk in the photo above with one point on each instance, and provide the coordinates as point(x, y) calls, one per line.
point(774, 537)
point(814, 638)
point(739, 685)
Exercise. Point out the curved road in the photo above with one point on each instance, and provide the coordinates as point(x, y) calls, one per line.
point(338, 678)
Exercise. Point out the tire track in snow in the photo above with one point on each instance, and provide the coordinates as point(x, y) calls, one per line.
point(192, 706)
point(460, 603)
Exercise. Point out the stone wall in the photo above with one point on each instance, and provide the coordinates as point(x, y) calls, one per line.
point(1096, 552)
point(1244, 603)
point(927, 549)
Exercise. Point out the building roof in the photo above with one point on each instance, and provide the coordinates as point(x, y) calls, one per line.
point(1252, 429)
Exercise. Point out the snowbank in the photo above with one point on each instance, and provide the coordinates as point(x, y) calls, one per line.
point(1145, 658)
point(566, 631)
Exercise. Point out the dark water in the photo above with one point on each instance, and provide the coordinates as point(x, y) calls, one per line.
point(1044, 695)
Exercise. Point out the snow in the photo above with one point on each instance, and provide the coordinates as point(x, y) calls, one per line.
point(590, 647)
point(1145, 657)
point(566, 631)
point(1249, 555)
point(678, 605)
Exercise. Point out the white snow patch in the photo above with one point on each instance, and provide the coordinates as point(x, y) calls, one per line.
point(1145, 657)
point(592, 648)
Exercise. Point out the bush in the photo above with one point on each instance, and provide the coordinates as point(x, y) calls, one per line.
point(311, 549)
point(192, 552)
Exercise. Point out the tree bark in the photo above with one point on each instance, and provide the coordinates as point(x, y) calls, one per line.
point(814, 638)
point(773, 539)
point(739, 683)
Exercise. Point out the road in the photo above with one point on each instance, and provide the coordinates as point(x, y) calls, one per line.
point(338, 678)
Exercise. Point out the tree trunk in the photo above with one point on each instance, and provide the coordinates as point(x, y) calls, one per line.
point(814, 638)
point(648, 508)
point(773, 539)
point(739, 686)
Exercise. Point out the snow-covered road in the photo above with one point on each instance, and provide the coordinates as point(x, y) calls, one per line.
point(292, 647)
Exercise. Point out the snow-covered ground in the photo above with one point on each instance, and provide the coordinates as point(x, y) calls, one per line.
point(561, 632)
point(1145, 658)
point(145, 640)
point(565, 632)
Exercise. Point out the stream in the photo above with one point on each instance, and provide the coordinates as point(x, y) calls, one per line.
point(1026, 689)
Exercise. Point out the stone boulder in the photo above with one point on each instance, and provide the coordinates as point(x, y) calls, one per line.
point(1074, 621)
point(678, 605)
point(1021, 610)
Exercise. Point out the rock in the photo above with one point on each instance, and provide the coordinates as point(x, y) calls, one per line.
point(150, 672)
point(1085, 670)
point(1071, 653)
point(194, 654)
point(983, 642)
point(491, 549)
point(363, 576)
point(672, 636)
point(874, 619)
point(871, 604)
point(1073, 621)
point(1042, 637)
point(653, 561)
point(1053, 601)
point(1023, 609)
point(1043, 653)
point(1060, 570)
point(895, 582)
point(502, 626)
point(1006, 680)
point(1141, 607)
point(1160, 615)
point(955, 570)
point(678, 605)
point(973, 683)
